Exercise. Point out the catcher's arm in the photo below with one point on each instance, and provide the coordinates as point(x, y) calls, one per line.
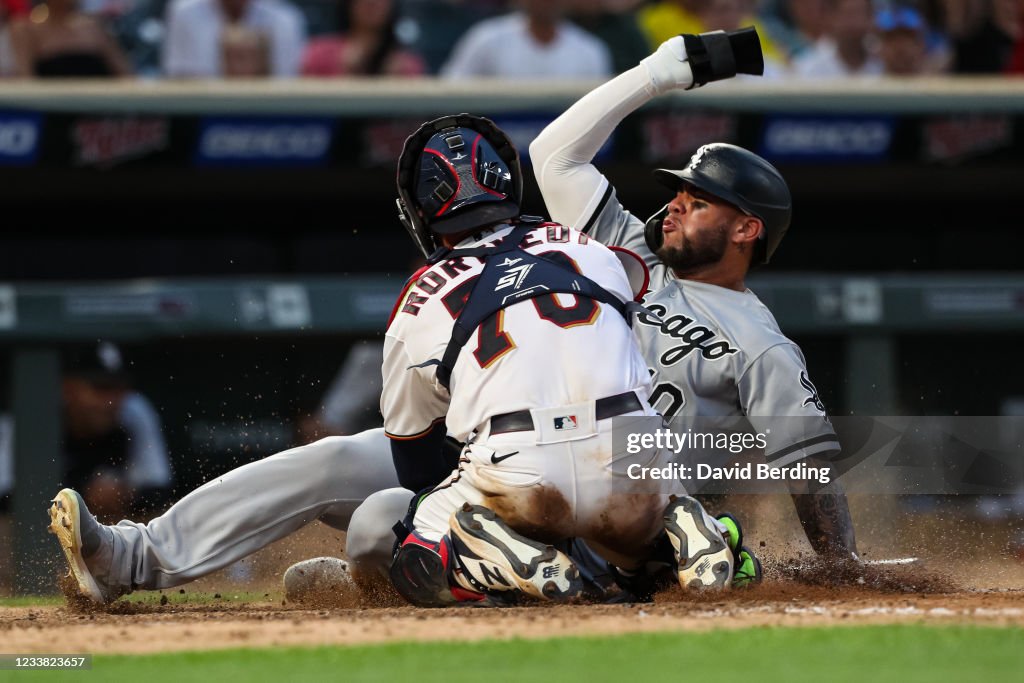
point(421, 461)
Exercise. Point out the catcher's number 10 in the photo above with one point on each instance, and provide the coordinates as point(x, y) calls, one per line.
point(493, 342)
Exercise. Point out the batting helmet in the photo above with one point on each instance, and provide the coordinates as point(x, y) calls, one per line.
point(739, 177)
point(457, 173)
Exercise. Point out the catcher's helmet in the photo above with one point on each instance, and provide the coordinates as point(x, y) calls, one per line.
point(739, 177)
point(457, 173)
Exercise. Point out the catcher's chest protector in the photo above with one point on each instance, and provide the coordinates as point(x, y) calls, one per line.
point(510, 275)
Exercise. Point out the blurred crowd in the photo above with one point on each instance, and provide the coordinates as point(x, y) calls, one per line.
point(111, 446)
point(495, 38)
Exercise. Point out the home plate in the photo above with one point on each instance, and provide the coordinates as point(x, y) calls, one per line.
point(894, 561)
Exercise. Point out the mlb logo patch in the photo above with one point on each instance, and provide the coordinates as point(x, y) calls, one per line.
point(565, 423)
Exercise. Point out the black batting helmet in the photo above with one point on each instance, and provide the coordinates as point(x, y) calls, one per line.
point(739, 177)
point(457, 173)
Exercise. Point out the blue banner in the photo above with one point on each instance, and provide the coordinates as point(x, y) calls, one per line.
point(19, 138)
point(264, 142)
point(827, 139)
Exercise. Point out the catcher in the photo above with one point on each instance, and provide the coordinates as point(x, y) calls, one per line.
point(516, 340)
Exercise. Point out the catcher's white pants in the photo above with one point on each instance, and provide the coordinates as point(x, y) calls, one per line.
point(565, 487)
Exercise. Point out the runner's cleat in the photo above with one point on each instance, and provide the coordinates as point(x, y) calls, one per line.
point(82, 539)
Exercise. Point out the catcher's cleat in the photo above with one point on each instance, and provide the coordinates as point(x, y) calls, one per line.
point(748, 569)
point(733, 531)
point(494, 559)
point(81, 538)
point(702, 553)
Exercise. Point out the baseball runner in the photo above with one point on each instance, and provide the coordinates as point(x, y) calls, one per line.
point(714, 349)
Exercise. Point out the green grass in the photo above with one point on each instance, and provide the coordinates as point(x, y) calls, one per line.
point(867, 654)
point(33, 601)
point(188, 598)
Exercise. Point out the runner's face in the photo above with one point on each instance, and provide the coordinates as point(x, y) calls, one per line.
point(697, 230)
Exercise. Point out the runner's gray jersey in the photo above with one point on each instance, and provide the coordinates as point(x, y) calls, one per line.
point(718, 352)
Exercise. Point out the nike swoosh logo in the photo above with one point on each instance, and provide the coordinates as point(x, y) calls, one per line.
point(495, 459)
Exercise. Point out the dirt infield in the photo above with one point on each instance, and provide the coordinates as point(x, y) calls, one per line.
point(155, 628)
point(968, 575)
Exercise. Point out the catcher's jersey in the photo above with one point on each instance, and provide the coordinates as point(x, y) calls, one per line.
point(545, 352)
point(715, 352)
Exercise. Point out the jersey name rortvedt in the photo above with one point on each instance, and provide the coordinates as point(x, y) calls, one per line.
point(444, 273)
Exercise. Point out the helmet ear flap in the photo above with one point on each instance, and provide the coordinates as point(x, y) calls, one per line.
point(652, 230)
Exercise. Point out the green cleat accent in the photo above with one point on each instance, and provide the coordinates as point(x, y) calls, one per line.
point(734, 532)
point(748, 569)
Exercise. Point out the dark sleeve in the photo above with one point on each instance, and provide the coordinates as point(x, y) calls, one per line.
point(421, 462)
point(451, 451)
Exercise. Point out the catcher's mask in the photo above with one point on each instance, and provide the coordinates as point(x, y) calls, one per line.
point(739, 177)
point(457, 173)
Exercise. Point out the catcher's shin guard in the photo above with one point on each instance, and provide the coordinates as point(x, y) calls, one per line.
point(703, 556)
point(493, 558)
